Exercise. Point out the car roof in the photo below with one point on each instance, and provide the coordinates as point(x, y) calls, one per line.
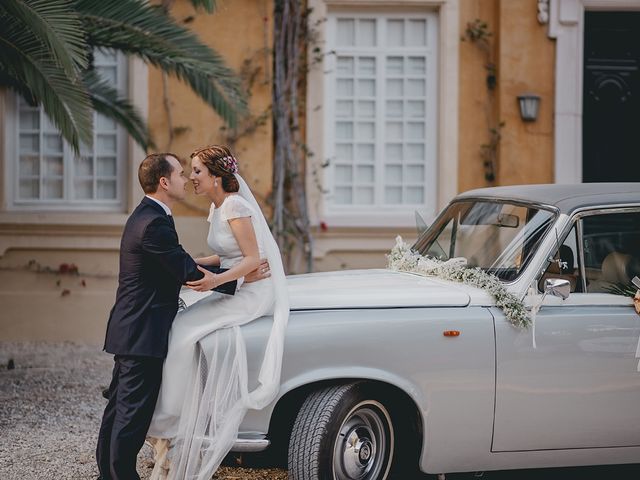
point(567, 198)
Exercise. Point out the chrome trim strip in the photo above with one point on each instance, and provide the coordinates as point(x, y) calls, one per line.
point(245, 445)
point(604, 209)
point(580, 241)
point(520, 202)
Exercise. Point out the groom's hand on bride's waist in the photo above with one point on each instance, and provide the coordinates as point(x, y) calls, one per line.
point(259, 273)
point(209, 281)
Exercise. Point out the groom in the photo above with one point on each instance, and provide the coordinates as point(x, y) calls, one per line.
point(153, 266)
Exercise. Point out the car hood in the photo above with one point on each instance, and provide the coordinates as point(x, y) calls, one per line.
point(378, 288)
point(371, 288)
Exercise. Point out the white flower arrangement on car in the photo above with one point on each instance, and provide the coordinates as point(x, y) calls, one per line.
point(403, 259)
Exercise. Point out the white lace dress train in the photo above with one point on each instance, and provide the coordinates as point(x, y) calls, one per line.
point(204, 393)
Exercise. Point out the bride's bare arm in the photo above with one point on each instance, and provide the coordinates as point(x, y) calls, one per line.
point(245, 235)
point(210, 261)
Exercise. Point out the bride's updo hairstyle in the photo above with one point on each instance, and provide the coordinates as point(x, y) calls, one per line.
point(220, 163)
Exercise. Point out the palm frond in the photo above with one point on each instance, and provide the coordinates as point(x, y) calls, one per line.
point(9, 81)
point(56, 24)
point(137, 28)
point(208, 5)
point(106, 100)
point(24, 63)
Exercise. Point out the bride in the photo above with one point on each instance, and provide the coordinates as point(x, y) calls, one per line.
point(204, 393)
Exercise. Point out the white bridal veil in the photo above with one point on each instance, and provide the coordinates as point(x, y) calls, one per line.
point(218, 397)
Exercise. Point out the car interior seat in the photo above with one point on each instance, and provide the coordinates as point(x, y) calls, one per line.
point(614, 271)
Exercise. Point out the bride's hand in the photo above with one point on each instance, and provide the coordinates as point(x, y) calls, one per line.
point(206, 283)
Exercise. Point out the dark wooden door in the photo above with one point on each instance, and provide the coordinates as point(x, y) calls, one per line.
point(611, 100)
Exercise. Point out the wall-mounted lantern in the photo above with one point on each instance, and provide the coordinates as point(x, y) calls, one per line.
point(529, 104)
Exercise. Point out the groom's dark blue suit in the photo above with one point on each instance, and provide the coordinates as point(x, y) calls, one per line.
point(153, 266)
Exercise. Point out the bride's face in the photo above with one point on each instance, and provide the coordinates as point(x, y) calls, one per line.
point(200, 177)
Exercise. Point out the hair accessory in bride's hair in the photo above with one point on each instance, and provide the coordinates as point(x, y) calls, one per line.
point(230, 164)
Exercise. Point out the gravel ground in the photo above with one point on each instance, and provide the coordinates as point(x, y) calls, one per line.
point(50, 411)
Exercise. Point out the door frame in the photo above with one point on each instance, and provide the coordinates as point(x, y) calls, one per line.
point(566, 25)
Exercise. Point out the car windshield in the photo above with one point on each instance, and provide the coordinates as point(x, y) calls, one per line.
point(496, 236)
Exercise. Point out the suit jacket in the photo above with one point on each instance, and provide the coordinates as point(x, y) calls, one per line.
point(153, 266)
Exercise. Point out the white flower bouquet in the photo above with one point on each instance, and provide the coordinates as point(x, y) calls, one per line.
point(403, 259)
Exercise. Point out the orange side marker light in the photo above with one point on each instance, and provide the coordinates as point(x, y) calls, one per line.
point(451, 333)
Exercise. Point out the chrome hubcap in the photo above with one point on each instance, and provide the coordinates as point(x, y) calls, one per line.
point(364, 444)
point(359, 450)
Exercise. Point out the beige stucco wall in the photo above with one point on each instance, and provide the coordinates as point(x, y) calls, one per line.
point(525, 59)
point(241, 31)
point(37, 303)
point(32, 304)
point(351, 248)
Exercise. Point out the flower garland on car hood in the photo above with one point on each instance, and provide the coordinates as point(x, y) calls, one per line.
point(403, 259)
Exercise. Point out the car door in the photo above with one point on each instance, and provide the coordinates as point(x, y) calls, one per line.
point(576, 384)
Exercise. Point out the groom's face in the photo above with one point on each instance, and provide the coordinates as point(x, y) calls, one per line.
point(177, 181)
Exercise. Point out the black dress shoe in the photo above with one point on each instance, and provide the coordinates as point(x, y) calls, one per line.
point(105, 394)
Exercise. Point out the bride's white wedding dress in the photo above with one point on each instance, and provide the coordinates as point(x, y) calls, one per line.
point(204, 393)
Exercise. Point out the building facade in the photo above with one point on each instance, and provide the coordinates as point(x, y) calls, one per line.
point(407, 103)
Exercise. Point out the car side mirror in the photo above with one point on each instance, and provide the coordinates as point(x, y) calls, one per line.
point(558, 287)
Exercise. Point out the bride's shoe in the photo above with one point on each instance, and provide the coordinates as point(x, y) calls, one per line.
point(161, 448)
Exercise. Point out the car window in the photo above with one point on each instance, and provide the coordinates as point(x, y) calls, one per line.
point(565, 264)
point(611, 245)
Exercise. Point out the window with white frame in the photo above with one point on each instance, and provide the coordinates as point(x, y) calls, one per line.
point(381, 111)
point(47, 174)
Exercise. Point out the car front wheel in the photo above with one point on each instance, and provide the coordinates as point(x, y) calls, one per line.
point(342, 432)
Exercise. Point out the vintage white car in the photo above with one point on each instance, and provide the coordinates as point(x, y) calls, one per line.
point(389, 370)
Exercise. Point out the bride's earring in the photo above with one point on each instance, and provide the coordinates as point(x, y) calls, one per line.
point(215, 183)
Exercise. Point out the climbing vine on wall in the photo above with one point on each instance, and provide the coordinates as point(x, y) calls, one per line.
point(290, 62)
point(478, 33)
